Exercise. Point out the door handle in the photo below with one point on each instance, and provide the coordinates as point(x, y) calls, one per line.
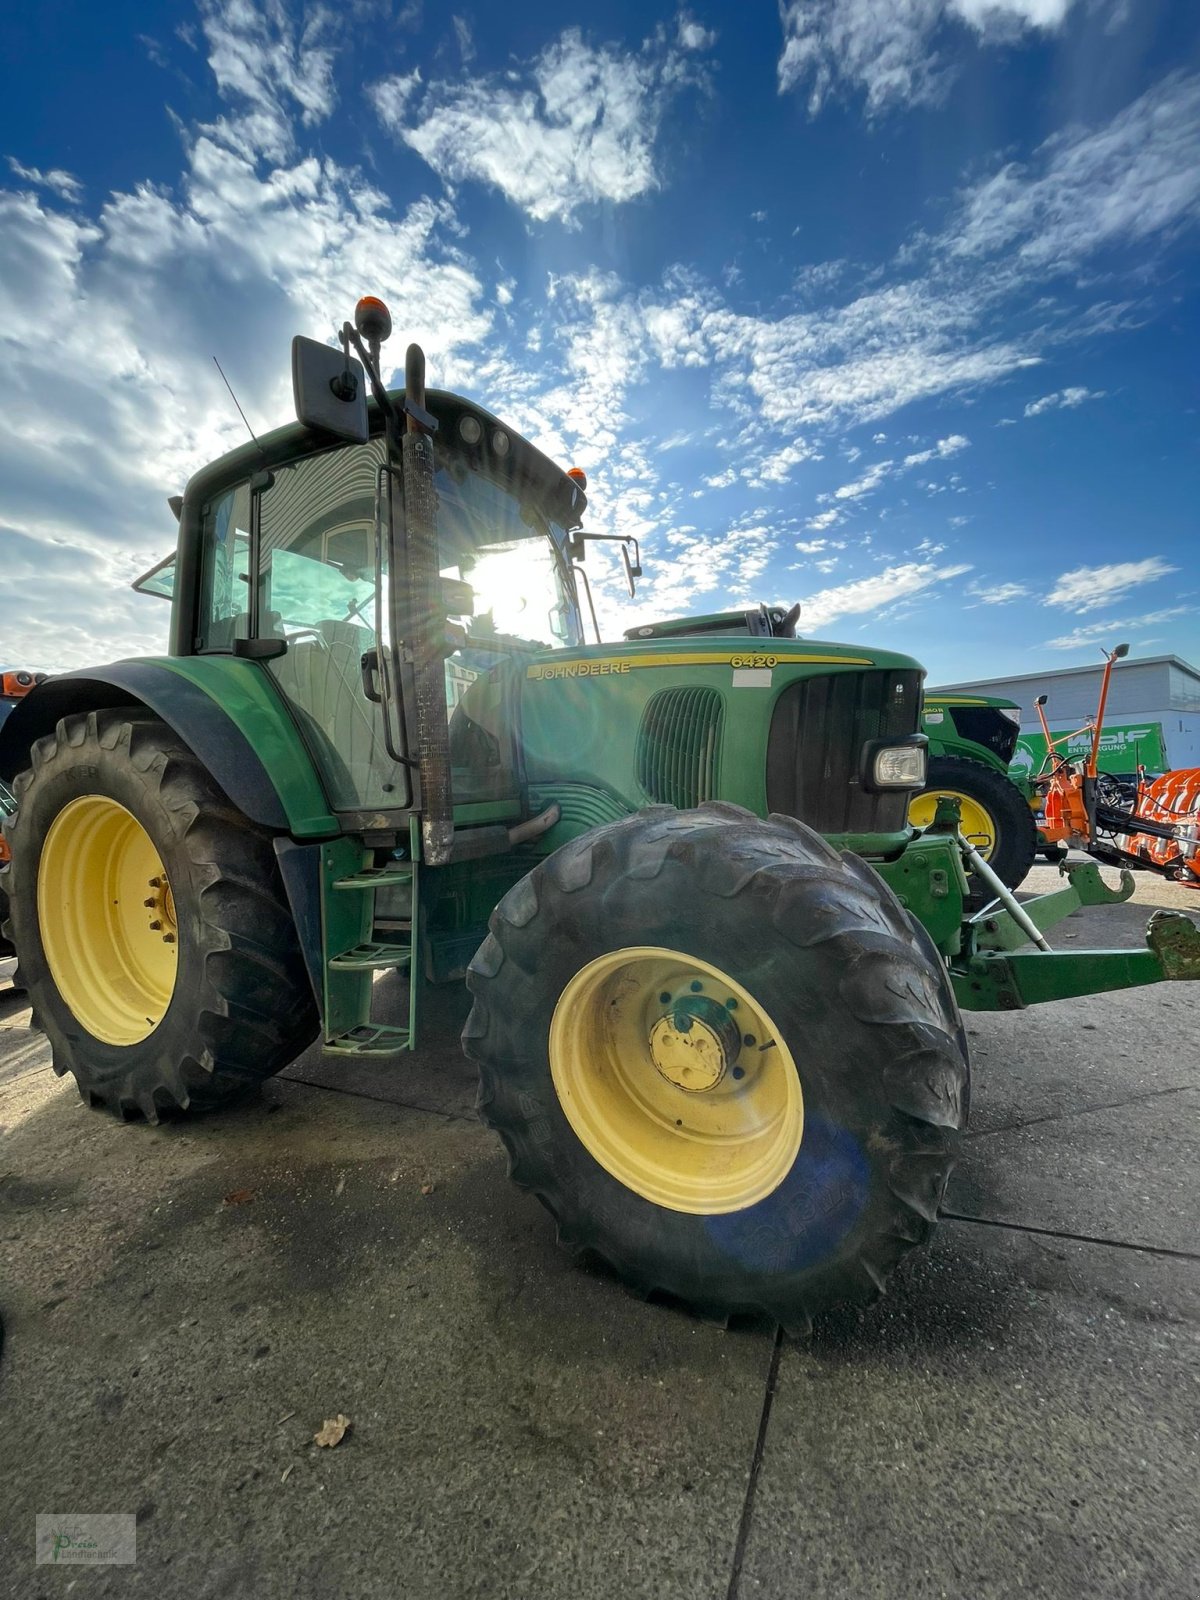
point(369, 663)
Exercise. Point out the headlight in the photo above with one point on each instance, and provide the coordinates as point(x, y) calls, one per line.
point(1013, 713)
point(899, 766)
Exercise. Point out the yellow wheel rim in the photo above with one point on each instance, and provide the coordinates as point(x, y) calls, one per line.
point(977, 822)
point(676, 1080)
point(107, 920)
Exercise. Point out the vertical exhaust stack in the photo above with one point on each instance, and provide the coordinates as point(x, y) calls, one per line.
point(427, 624)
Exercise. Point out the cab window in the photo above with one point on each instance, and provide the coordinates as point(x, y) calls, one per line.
point(225, 570)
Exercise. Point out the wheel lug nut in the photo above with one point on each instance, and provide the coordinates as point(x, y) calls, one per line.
point(151, 902)
point(156, 925)
point(168, 938)
point(156, 883)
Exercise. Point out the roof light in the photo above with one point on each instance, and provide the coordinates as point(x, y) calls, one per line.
point(373, 319)
point(577, 475)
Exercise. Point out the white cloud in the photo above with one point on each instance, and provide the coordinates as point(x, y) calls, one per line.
point(1063, 399)
point(776, 466)
point(880, 589)
point(392, 96)
point(466, 43)
point(257, 240)
point(270, 68)
point(1086, 589)
point(811, 547)
point(871, 479)
point(63, 184)
point(1108, 633)
point(693, 36)
point(579, 126)
point(1092, 189)
point(943, 448)
point(824, 519)
point(995, 594)
point(888, 47)
point(935, 333)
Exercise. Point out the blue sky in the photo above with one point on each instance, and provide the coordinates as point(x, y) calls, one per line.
point(888, 308)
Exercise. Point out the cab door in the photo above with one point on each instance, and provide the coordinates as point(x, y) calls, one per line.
point(321, 586)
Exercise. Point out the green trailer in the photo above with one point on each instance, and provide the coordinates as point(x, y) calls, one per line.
point(717, 974)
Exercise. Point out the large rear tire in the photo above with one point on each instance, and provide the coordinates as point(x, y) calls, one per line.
point(723, 1058)
point(996, 817)
point(150, 921)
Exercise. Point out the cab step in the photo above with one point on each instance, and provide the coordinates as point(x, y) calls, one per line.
point(377, 877)
point(371, 1039)
point(372, 957)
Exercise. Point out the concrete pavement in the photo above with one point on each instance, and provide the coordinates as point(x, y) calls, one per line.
point(185, 1305)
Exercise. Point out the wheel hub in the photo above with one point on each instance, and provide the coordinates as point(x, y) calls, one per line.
point(160, 903)
point(695, 1044)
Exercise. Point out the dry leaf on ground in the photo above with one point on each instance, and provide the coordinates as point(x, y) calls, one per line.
point(332, 1431)
point(238, 1197)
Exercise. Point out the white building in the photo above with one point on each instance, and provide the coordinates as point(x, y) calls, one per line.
point(1154, 693)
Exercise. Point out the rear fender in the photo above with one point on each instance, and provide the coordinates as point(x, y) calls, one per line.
point(223, 708)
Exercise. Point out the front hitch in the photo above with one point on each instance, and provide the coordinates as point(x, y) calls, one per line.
point(1012, 980)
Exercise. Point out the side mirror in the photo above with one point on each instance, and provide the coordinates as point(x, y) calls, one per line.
point(630, 574)
point(330, 390)
point(1041, 700)
point(1120, 652)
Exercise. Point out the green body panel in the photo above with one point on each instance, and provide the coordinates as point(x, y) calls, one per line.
point(937, 725)
point(245, 693)
point(581, 711)
point(929, 881)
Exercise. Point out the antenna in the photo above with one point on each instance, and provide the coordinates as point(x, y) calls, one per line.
point(241, 413)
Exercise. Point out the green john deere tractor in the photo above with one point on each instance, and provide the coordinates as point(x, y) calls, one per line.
point(716, 973)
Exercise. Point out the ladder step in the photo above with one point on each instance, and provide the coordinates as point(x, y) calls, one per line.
point(371, 1039)
point(377, 877)
point(372, 957)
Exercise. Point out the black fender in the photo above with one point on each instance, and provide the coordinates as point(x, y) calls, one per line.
point(197, 719)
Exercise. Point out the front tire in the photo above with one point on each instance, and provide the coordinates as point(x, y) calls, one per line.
point(623, 1002)
point(996, 817)
point(150, 921)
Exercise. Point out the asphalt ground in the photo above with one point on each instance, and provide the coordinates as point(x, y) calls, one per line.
point(185, 1305)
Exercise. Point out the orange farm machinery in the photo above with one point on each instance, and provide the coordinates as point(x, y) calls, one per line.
point(1139, 822)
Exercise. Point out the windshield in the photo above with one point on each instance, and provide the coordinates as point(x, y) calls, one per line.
point(512, 560)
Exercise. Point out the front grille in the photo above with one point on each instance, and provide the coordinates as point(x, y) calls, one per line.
point(818, 731)
point(678, 745)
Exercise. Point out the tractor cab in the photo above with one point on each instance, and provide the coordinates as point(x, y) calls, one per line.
point(294, 554)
